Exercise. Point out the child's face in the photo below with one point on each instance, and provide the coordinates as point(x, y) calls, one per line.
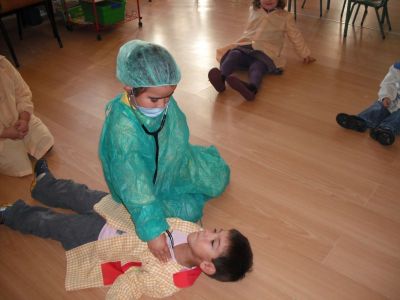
point(208, 244)
point(157, 96)
point(269, 4)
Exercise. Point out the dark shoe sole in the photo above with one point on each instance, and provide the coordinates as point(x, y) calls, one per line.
point(41, 167)
point(240, 86)
point(383, 136)
point(215, 77)
point(351, 122)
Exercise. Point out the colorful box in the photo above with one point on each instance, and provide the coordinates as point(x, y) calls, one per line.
point(108, 12)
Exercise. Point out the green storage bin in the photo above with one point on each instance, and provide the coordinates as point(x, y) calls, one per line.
point(108, 12)
point(75, 12)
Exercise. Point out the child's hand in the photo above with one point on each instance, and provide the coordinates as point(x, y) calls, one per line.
point(22, 126)
point(386, 102)
point(309, 60)
point(12, 133)
point(159, 248)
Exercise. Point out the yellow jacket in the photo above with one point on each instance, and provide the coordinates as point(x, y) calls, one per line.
point(266, 32)
point(152, 278)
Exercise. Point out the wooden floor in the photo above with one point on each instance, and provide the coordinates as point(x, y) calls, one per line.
point(320, 204)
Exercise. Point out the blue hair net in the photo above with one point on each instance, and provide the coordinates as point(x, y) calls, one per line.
point(143, 64)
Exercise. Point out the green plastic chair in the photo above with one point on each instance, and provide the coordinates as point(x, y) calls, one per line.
point(295, 7)
point(328, 4)
point(376, 4)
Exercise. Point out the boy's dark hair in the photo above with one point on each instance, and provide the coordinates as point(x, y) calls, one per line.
point(236, 261)
point(281, 4)
point(137, 91)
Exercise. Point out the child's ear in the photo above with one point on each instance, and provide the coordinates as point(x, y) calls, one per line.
point(207, 267)
point(128, 89)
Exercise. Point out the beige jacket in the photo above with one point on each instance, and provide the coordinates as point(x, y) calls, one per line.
point(15, 95)
point(266, 32)
point(152, 278)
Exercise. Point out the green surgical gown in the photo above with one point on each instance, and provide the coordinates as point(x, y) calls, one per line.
point(188, 175)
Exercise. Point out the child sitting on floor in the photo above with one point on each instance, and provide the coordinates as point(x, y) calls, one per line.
point(22, 134)
point(103, 248)
point(383, 116)
point(259, 49)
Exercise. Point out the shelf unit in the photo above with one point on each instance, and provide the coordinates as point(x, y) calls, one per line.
point(74, 13)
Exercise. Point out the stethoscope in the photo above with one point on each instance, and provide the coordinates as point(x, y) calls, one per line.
point(154, 134)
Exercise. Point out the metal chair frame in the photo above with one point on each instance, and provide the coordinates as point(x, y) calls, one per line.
point(367, 3)
point(49, 9)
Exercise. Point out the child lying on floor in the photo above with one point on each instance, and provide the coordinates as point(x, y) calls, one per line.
point(103, 249)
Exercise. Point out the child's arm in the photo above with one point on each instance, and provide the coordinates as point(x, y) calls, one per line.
point(296, 38)
point(129, 178)
point(11, 133)
point(308, 60)
point(390, 87)
point(22, 92)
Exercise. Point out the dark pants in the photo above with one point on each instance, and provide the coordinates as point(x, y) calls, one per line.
point(378, 116)
point(72, 230)
point(237, 59)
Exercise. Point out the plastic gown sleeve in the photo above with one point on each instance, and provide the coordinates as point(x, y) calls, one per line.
point(129, 179)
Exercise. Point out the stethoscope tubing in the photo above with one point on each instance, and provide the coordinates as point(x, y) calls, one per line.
point(154, 134)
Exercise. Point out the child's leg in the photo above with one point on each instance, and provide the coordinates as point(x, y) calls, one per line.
point(39, 139)
point(387, 130)
point(392, 122)
point(374, 114)
point(234, 60)
point(71, 230)
point(65, 194)
point(257, 70)
point(14, 159)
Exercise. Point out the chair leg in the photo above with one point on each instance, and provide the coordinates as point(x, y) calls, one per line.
point(387, 17)
point(304, 3)
point(50, 14)
point(320, 8)
point(343, 7)
point(328, 4)
point(350, 8)
point(294, 6)
point(364, 15)
point(19, 22)
point(380, 24)
point(356, 14)
point(8, 42)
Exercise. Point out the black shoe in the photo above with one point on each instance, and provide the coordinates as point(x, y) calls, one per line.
point(248, 91)
point(382, 135)
point(217, 79)
point(351, 122)
point(41, 167)
point(3, 209)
